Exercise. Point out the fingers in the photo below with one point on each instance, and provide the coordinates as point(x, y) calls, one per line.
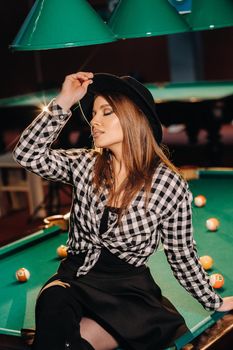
point(83, 76)
point(74, 88)
point(87, 82)
point(88, 75)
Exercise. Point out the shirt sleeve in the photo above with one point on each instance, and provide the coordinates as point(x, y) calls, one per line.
point(179, 246)
point(34, 151)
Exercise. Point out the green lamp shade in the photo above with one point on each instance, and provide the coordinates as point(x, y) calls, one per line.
point(138, 18)
point(53, 24)
point(210, 14)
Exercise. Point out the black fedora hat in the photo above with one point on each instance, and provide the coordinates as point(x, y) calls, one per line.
point(130, 87)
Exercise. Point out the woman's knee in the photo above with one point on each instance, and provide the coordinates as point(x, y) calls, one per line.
point(53, 296)
point(55, 283)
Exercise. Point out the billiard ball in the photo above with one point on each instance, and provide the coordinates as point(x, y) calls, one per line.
point(212, 224)
point(200, 201)
point(22, 274)
point(62, 251)
point(216, 280)
point(206, 262)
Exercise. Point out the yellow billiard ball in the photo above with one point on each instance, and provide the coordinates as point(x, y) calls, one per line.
point(62, 251)
point(206, 261)
point(200, 201)
point(212, 224)
point(216, 280)
point(22, 274)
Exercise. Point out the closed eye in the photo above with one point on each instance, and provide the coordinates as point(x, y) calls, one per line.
point(108, 112)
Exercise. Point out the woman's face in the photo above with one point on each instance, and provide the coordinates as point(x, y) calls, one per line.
point(106, 128)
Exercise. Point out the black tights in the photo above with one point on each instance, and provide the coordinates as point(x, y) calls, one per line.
point(58, 315)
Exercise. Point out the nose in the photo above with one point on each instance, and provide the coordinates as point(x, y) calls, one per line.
point(95, 120)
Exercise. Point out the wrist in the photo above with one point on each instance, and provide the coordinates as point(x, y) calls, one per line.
point(54, 109)
point(64, 102)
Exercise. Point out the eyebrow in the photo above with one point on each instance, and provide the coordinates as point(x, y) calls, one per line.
point(102, 106)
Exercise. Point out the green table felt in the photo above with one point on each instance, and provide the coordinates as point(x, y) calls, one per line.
point(39, 257)
point(193, 91)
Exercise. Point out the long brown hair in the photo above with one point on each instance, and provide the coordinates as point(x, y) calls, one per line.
point(141, 153)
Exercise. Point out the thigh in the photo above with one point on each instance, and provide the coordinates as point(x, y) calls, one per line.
point(96, 335)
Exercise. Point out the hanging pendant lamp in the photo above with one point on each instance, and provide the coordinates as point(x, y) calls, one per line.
point(138, 18)
point(210, 14)
point(53, 24)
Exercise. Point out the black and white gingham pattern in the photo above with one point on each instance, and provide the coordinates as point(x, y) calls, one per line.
point(167, 217)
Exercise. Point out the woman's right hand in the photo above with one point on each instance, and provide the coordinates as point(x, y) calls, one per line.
point(73, 89)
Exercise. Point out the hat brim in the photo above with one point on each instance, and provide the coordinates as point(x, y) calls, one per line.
point(128, 86)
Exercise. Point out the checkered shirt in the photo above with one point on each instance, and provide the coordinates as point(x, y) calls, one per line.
point(167, 217)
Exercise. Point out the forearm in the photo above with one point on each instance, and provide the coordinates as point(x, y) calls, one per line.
point(179, 246)
point(193, 278)
point(33, 150)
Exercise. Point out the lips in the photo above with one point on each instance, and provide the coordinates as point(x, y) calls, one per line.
point(97, 133)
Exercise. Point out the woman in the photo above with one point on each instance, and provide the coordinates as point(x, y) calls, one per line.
point(126, 199)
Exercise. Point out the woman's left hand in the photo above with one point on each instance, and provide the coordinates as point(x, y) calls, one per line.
point(227, 304)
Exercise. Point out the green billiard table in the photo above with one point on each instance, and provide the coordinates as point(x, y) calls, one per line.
point(37, 253)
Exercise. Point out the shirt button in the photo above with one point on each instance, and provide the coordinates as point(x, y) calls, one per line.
point(61, 116)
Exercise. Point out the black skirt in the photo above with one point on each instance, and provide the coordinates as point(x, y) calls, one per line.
point(125, 301)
